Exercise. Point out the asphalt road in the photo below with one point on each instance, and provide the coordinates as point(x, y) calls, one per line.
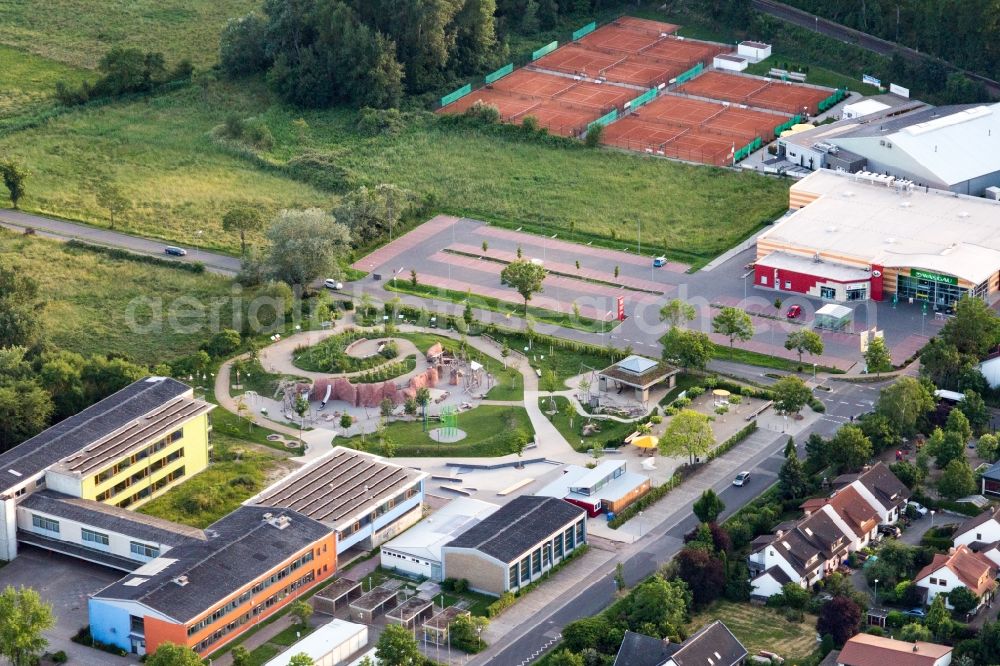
point(540, 632)
point(851, 36)
point(62, 230)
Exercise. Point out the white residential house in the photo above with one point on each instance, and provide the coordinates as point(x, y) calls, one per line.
point(959, 568)
point(881, 489)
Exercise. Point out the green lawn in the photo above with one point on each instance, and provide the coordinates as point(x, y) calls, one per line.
point(761, 628)
point(726, 353)
point(610, 430)
point(27, 81)
point(181, 182)
point(236, 474)
point(485, 428)
point(91, 300)
point(81, 31)
point(509, 382)
point(497, 305)
point(564, 363)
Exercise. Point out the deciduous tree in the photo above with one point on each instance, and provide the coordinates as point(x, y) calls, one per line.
point(904, 403)
point(840, 617)
point(704, 574)
point(677, 312)
point(305, 244)
point(397, 646)
point(791, 394)
point(877, 357)
point(14, 175)
point(733, 323)
point(171, 654)
point(524, 276)
point(109, 196)
point(708, 507)
point(242, 219)
point(958, 479)
point(691, 350)
point(24, 618)
point(850, 449)
point(804, 340)
point(688, 432)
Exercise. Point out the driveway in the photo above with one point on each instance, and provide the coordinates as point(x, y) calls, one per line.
point(65, 583)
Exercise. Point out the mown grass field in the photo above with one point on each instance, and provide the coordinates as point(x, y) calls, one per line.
point(761, 628)
point(160, 153)
point(81, 31)
point(27, 80)
point(90, 299)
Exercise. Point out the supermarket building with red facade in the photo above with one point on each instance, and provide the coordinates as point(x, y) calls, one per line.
point(865, 236)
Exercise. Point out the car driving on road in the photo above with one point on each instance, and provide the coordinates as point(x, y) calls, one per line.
point(741, 479)
point(332, 284)
point(175, 251)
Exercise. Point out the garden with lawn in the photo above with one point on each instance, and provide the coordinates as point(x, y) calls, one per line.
point(236, 473)
point(490, 430)
point(509, 381)
point(762, 628)
point(584, 432)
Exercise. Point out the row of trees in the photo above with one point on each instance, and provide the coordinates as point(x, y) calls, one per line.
point(364, 52)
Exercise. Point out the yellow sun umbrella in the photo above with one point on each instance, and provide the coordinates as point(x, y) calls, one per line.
point(646, 442)
point(721, 393)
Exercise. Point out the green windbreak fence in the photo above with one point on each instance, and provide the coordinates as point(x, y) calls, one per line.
point(644, 98)
point(585, 30)
point(745, 151)
point(545, 50)
point(690, 74)
point(833, 99)
point(605, 119)
point(458, 94)
point(794, 120)
point(499, 74)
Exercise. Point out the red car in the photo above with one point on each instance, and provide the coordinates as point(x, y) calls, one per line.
point(794, 311)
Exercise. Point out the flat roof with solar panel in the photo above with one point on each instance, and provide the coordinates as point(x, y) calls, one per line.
point(340, 487)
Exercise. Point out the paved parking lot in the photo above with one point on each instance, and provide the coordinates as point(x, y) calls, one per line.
point(65, 583)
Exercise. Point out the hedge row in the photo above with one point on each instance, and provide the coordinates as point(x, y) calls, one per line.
point(118, 253)
point(745, 432)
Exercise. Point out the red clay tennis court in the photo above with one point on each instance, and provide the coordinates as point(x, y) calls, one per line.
point(781, 96)
point(693, 145)
point(535, 84)
point(646, 25)
point(576, 59)
point(598, 96)
point(740, 124)
point(561, 118)
point(644, 72)
point(511, 107)
point(619, 39)
point(724, 86)
point(790, 97)
point(683, 51)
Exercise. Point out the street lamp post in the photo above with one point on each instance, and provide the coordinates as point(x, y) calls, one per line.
point(875, 602)
point(932, 517)
point(640, 524)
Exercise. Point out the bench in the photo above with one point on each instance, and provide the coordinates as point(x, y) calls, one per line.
point(760, 410)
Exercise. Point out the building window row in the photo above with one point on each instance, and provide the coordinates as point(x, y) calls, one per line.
point(280, 575)
point(142, 454)
point(219, 613)
point(150, 489)
point(545, 556)
point(259, 609)
point(43, 523)
point(92, 537)
point(144, 550)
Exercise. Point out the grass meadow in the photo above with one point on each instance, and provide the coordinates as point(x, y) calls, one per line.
point(27, 80)
point(81, 31)
point(87, 298)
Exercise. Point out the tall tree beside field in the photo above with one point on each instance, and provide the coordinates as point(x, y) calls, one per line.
point(305, 244)
point(791, 394)
point(476, 45)
point(243, 46)
point(688, 432)
point(372, 212)
point(23, 619)
point(733, 323)
point(526, 277)
point(20, 309)
point(110, 197)
point(14, 176)
point(242, 219)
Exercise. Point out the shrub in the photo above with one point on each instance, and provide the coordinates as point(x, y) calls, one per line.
point(60, 657)
point(594, 134)
point(529, 123)
point(505, 601)
point(488, 114)
point(375, 122)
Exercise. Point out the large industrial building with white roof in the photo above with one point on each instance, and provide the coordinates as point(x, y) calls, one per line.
point(853, 237)
point(953, 148)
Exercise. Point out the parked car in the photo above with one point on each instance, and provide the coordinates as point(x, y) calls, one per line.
point(915, 612)
point(918, 507)
point(659, 262)
point(332, 284)
point(741, 479)
point(175, 251)
point(890, 530)
point(794, 312)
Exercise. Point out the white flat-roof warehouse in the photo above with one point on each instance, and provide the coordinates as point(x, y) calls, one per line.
point(861, 236)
